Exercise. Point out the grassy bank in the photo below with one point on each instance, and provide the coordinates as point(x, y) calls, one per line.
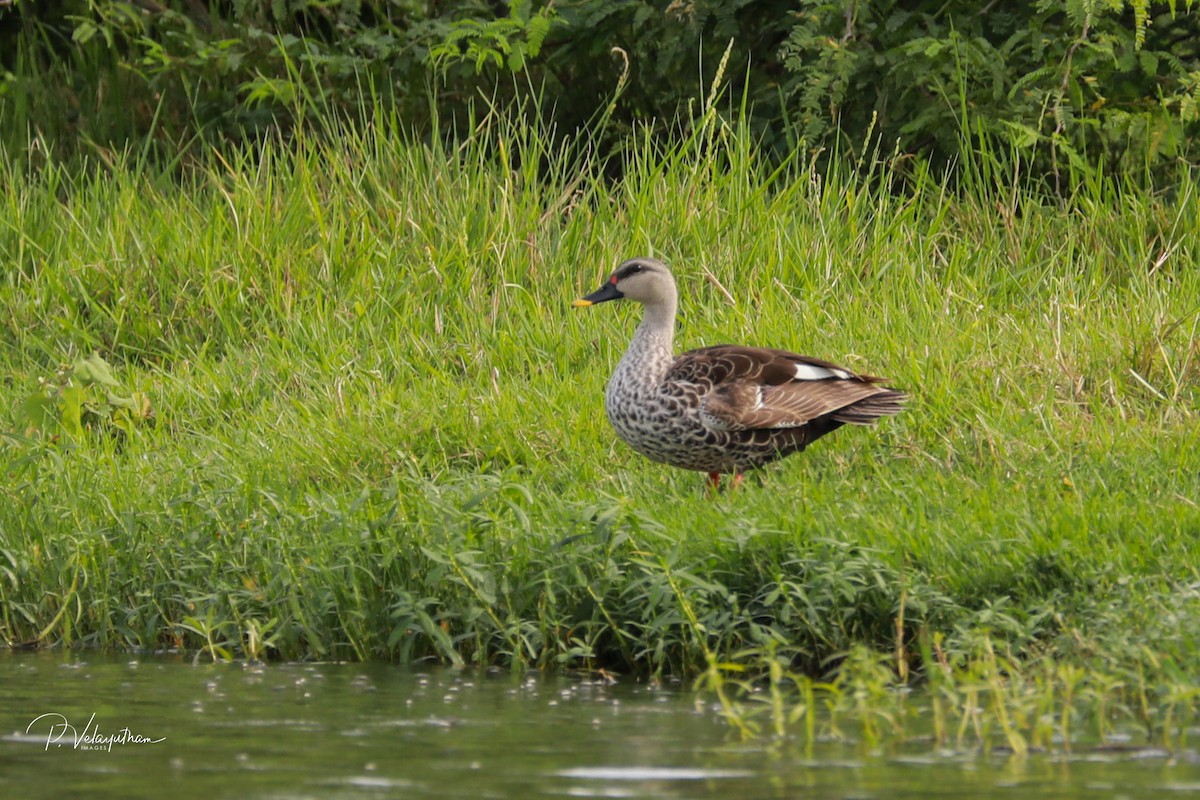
point(375, 425)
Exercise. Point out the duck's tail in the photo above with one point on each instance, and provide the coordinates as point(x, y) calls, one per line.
point(885, 403)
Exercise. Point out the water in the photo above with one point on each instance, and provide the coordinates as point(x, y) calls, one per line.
point(374, 731)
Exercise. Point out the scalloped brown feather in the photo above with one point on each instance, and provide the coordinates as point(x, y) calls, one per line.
point(755, 388)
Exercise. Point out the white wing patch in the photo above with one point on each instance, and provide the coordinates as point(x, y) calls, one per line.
point(811, 372)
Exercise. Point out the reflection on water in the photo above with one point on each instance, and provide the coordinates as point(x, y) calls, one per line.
point(155, 726)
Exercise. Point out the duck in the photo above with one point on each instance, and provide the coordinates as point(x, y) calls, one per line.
point(725, 409)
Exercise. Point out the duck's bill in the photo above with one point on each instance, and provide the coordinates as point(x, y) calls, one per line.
point(606, 292)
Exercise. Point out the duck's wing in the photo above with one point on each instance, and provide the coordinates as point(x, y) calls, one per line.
point(751, 388)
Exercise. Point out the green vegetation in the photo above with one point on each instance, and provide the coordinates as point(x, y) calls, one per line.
point(1110, 86)
point(329, 400)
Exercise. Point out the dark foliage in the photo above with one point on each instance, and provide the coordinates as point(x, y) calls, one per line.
point(1074, 86)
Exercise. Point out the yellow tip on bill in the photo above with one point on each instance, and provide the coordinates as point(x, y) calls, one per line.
point(581, 303)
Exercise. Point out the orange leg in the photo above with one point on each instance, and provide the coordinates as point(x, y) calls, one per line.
point(714, 481)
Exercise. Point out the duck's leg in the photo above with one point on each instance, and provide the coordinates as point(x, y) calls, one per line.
point(714, 482)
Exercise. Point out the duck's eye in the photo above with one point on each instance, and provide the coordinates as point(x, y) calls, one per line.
point(626, 270)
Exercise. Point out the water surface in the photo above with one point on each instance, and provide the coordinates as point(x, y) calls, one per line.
point(153, 726)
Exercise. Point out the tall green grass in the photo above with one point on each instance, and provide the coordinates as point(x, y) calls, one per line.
point(377, 424)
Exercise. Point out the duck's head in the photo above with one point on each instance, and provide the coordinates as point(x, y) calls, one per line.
point(646, 280)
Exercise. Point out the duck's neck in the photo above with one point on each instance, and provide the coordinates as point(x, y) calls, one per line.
point(650, 351)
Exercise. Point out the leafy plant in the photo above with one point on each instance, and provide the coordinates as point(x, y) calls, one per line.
point(82, 398)
point(507, 42)
point(1075, 88)
point(1072, 85)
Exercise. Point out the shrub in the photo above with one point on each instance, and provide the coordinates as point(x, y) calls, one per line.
point(1072, 86)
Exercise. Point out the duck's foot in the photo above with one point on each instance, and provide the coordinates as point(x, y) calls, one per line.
point(714, 481)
